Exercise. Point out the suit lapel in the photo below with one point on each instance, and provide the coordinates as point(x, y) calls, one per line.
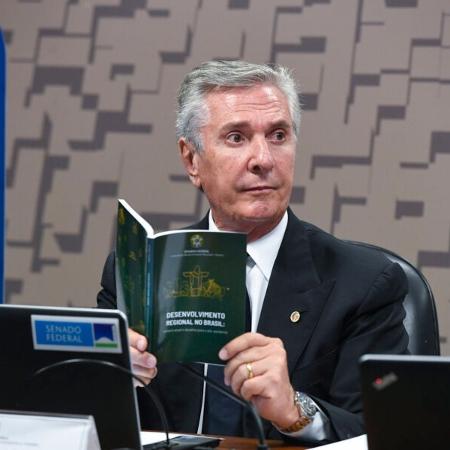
point(294, 287)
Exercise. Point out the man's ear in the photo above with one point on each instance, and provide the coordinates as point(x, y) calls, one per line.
point(189, 156)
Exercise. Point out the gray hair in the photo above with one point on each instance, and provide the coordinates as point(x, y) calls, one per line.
point(192, 112)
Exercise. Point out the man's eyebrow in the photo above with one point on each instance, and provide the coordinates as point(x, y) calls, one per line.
point(282, 124)
point(238, 124)
point(242, 124)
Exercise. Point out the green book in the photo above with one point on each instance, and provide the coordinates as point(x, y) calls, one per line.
point(184, 290)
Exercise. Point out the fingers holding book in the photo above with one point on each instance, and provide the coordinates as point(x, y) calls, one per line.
point(143, 363)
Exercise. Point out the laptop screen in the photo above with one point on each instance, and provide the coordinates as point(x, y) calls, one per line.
point(35, 337)
point(406, 401)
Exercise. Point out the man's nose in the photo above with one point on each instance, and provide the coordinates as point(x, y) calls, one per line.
point(261, 158)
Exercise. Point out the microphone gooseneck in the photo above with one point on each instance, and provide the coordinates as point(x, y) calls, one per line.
point(262, 440)
point(114, 366)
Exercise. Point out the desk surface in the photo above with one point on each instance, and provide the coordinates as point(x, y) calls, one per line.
point(250, 444)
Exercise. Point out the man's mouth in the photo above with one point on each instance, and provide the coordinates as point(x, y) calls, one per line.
point(259, 189)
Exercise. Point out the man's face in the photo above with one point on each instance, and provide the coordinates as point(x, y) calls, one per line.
point(247, 163)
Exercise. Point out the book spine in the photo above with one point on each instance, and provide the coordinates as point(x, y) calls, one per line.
point(149, 290)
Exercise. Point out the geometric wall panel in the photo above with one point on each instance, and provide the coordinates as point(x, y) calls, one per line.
point(91, 89)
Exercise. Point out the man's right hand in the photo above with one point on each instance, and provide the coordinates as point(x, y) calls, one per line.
point(142, 362)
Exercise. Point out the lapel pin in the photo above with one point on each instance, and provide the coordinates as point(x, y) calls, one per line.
point(295, 316)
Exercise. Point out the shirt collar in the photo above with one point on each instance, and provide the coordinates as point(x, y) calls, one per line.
point(264, 250)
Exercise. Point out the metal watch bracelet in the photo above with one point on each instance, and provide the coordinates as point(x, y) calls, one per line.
point(306, 410)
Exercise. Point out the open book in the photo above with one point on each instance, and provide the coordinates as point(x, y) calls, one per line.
point(184, 290)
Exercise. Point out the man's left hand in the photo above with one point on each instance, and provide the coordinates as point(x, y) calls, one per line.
point(257, 370)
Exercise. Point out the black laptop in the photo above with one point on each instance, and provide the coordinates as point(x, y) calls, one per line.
point(34, 337)
point(406, 401)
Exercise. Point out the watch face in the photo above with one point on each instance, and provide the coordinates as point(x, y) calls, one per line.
point(309, 409)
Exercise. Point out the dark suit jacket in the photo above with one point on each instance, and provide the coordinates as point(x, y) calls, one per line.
point(350, 302)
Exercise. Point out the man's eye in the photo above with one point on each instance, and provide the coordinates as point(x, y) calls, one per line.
point(279, 136)
point(235, 138)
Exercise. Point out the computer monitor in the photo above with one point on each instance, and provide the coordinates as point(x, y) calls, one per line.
point(406, 401)
point(34, 337)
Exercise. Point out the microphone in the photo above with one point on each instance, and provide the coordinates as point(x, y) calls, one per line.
point(262, 445)
point(111, 365)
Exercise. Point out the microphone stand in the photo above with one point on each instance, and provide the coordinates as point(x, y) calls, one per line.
point(262, 445)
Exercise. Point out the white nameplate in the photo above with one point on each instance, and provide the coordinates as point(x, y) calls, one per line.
point(32, 431)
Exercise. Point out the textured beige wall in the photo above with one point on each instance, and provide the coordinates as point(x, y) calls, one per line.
point(91, 112)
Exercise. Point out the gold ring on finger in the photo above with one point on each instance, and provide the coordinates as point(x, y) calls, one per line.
point(250, 373)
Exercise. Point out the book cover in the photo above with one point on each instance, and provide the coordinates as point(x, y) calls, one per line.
point(185, 290)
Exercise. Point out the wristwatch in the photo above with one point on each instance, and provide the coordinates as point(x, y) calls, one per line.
point(307, 409)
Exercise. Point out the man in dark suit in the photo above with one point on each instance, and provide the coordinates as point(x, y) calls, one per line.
point(317, 303)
